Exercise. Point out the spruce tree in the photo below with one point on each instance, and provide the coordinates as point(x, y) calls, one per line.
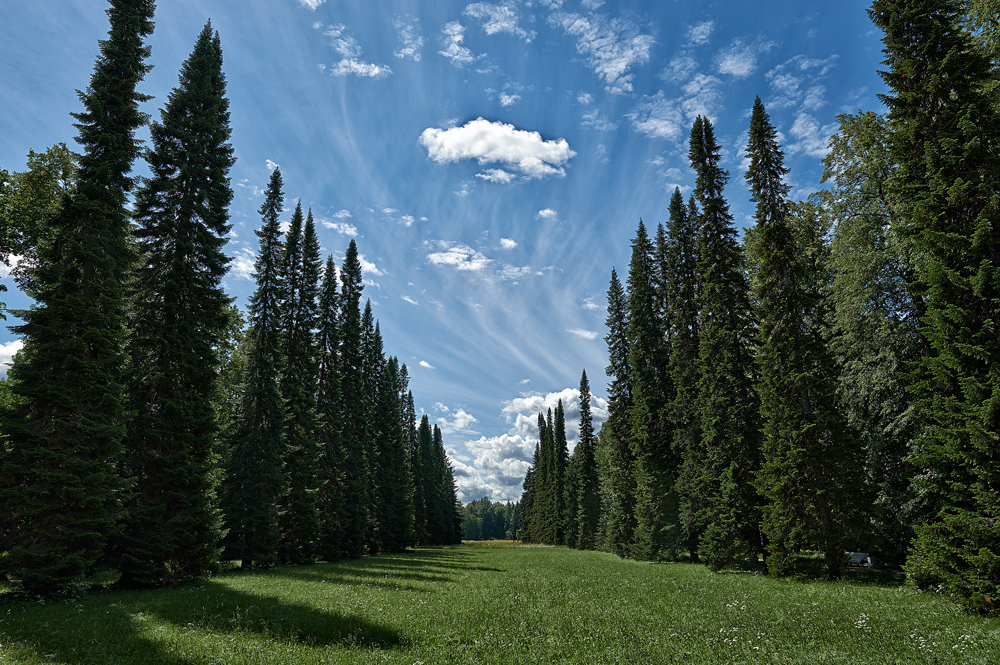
point(561, 449)
point(727, 405)
point(372, 363)
point(943, 113)
point(452, 509)
point(588, 488)
point(300, 274)
point(526, 521)
point(616, 435)
point(656, 535)
point(329, 409)
point(172, 527)
point(808, 494)
point(58, 482)
point(393, 486)
point(355, 461)
point(426, 488)
point(255, 482)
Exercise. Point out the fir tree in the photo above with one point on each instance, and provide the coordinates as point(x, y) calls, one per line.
point(525, 531)
point(726, 402)
point(255, 481)
point(943, 112)
point(425, 486)
point(616, 435)
point(299, 302)
point(808, 495)
point(451, 534)
point(393, 483)
point(329, 409)
point(58, 481)
point(372, 363)
point(561, 449)
point(588, 489)
point(172, 528)
point(355, 461)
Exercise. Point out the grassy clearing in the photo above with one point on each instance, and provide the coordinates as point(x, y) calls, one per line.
point(497, 603)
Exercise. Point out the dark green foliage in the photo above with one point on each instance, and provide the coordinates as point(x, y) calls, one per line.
point(486, 520)
point(561, 450)
point(393, 483)
point(875, 323)
point(587, 482)
point(528, 528)
point(254, 484)
point(371, 376)
point(616, 434)
point(945, 132)
point(452, 533)
point(433, 518)
point(171, 530)
point(656, 536)
point(300, 275)
point(810, 464)
point(355, 461)
point(727, 405)
point(58, 482)
point(329, 408)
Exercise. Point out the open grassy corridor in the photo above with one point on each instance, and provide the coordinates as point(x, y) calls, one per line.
point(513, 604)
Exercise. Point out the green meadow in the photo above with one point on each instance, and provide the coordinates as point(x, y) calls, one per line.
point(499, 603)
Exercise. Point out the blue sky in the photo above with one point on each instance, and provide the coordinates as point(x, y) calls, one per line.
point(492, 160)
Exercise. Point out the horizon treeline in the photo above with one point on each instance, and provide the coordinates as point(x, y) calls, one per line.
point(831, 382)
point(143, 427)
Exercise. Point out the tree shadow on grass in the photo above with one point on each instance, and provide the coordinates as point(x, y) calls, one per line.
point(119, 626)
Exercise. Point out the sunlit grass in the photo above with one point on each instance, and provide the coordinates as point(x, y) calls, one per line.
point(493, 603)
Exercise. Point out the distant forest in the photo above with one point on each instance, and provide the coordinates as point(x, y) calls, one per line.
point(831, 383)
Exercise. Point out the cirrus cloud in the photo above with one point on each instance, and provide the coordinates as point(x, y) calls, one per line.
point(497, 142)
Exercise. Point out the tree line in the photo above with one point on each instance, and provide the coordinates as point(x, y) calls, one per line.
point(142, 427)
point(830, 382)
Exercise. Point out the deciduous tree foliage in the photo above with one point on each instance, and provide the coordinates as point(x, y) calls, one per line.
point(58, 481)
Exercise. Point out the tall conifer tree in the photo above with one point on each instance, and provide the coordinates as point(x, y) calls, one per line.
point(255, 480)
point(727, 405)
point(329, 408)
point(561, 449)
point(58, 481)
point(588, 489)
point(173, 525)
point(943, 112)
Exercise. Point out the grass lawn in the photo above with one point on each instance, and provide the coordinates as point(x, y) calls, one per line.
point(499, 604)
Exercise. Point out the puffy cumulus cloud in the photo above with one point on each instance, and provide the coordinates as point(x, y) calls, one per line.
point(497, 175)
point(739, 59)
point(507, 243)
point(658, 116)
point(523, 412)
point(342, 214)
point(508, 100)
point(349, 50)
point(407, 220)
point(700, 33)
point(455, 422)
point(242, 266)
point(343, 228)
point(367, 267)
point(611, 47)
point(7, 352)
point(271, 165)
point(585, 334)
point(424, 363)
point(811, 138)
point(547, 213)
point(311, 4)
point(584, 99)
point(460, 257)
point(588, 303)
point(453, 36)
point(491, 142)
point(410, 38)
point(498, 18)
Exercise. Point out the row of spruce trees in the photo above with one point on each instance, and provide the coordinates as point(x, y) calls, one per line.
point(127, 441)
point(831, 383)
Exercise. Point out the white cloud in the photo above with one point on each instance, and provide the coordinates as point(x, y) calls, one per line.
point(524, 381)
point(489, 142)
point(389, 211)
point(507, 243)
point(514, 273)
point(453, 422)
point(657, 116)
point(591, 4)
point(588, 303)
point(411, 39)
point(700, 33)
point(499, 18)
point(497, 175)
point(598, 121)
point(508, 100)
point(812, 138)
point(343, 228)
point(7, 352)
point(460, 257)
point(311, 4)
point(349, 49)
point(465, 191)
point(547, 213)
point(368, 267)
point(580, 332)
point(424, 363)
point(271, 165)
point(739, 59)
point(584, 98)
point(7, 266)
point(523, 411)
point(611, 46)
point(454, 35)
point(702, 95)
point(410, 300)
point(358, 68)
point(242, 266)
point(681, 68)
point(407, 220)
point(342, 214)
